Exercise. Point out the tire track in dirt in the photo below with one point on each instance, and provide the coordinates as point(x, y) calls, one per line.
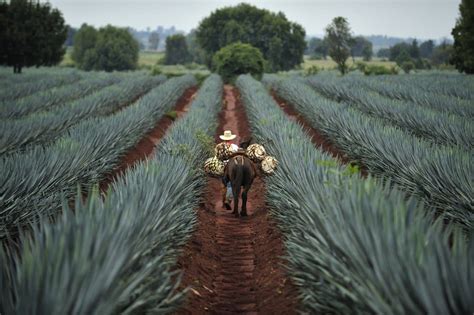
point(234, 265)
point(319, 140)
point(146, 146)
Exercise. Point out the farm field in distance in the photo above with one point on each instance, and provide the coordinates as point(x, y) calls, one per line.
point(148, 59)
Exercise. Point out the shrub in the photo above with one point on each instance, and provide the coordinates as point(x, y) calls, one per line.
point(375, 69)
point(235, 59)
point(312, 70)
point(110, 48)
point(156, 70)
point(200, 77)
point(407, 66)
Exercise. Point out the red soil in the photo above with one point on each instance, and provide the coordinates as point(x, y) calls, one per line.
point(145, 147)
point(319, 140)
point(234, 265)
point(141, 151)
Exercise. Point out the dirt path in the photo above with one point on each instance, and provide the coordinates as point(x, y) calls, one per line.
point(233, 264)
point(145, 147)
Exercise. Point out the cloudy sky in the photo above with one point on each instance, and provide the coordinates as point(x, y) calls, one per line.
point(402, 18)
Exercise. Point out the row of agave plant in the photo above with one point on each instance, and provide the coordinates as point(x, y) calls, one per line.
point(420, 121)
point(51, 79)
point(441, 176)
point(9, 79)
point(118, 255)
point(408, 89)
point(49, 98)
point(439, 82)
point(355, 245)
point(47, 126)
point(33, 181)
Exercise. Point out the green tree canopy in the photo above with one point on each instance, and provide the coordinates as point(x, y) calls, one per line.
point(176, 50)
point(235, 59)
point(463, 33)
point(383, 53)
point(84, 40)
point(397, 49)
point(196, 53)
point(361, 47)
point(110, 48)
point(281, 42)
point(367, 52)
point(31, 34)
point(442, 54)
point(339, 39)
point(426, 49)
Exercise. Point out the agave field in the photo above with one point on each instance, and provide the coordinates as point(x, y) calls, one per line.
point(362, 245)
point(397, 240)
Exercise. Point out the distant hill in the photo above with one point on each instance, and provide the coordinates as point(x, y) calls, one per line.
point(384, 41)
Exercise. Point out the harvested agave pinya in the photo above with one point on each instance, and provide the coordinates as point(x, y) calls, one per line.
point(214, 167)
point(269, 165)
point(256, 152)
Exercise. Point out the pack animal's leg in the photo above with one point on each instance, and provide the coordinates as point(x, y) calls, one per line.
point(244, 200)
point(247, 186)
point(236, 193)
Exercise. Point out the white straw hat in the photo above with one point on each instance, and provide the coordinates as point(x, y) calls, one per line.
point(227, 135)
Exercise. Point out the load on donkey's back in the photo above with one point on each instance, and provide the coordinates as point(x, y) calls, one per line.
point(237, 166)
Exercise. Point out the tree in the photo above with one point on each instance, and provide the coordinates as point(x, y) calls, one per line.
point(318, 48)
point(405, 61)
point(84, 40)
point(367, 52)
point(339, 39)
point(110, 48)
point(361, 47)
point(31, 34)
point(383, 53)
point(281, 42)
point(397, 49)
point(196, 53)
point(426, 49)
point(176, 50)
point(414, 50)
point(442, 54)
point(153, 41)
point(235, 59)
point(463, 33)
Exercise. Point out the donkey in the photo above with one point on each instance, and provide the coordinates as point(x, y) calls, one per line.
point(241, 172)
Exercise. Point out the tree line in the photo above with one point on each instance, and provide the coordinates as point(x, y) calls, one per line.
point(34, 34)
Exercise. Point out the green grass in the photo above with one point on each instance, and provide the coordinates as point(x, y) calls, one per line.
point(148, 60)
point(330, 64)
point(145, 58)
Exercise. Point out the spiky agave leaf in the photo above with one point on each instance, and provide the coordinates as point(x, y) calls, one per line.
point(32, 182)
point(47, 126)
point(440, 128)
point(146, 217)
point(442, 176)
point(355, 245)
